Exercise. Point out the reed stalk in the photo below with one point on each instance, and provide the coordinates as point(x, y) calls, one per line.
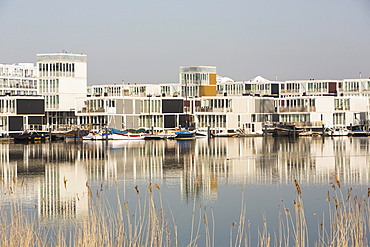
point(146, 224)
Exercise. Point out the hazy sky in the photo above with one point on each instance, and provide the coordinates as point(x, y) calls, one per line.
point(146, 41)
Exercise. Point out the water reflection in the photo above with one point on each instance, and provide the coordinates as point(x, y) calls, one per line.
point(56, 177)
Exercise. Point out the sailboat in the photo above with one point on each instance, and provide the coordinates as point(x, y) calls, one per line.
point(185, 134)
point(113, 134)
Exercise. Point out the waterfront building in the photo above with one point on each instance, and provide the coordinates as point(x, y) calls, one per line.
point(128, 112)
point(309, 111)
point(18, 79)
point(224, 104)
point(21, 113)
point(308, 103)
point(200, 99)
point(62, 77)
point(197, 81)
point(193, 102)
point(111, 90)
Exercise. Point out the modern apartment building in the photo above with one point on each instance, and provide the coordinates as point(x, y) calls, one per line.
point(201, 98)
point(62, 77)
point(197, 81)
point(21, 113)
point(234, 105)
point(18, 79)
point(20, 107)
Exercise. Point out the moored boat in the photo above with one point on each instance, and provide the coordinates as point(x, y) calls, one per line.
point(309, 133)
point(358, 133)
point(223, 133)
point(286, 130)
point(338, 132)
point(153, 137)
point(31, 136)
point(201, 134)
point(184, 135)
point(113, 134)
point(128, 136)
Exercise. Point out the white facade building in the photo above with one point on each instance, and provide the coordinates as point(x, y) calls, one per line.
point(18, 79)
point(62, 79)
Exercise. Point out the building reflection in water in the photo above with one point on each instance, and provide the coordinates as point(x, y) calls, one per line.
point(56, 176)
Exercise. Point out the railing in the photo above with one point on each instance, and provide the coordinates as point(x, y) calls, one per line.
point(305, 124)
point(298, 109)
point(212, 109)
point(83, 110)
point(37, 127)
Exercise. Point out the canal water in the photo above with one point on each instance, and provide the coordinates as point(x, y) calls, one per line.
point(218, 181)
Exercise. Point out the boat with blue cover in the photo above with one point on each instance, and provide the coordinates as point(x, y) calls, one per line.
point(184, 135)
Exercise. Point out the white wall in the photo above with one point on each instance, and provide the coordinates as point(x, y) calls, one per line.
point(69, 90)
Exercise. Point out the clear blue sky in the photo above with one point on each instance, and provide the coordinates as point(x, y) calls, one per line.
point(146, 41)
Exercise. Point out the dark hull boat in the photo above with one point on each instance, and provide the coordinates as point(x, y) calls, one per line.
point(28, 137)
point(286, 130)
point(358, 133)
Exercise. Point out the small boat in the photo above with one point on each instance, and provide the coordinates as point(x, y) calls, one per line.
point(90, 136)
point(201, 134)
point(153, 137)
point(113, 134)
point(125, 135)
point(338, 132)
point(31, 136)
point(184, 135)
point(221, 133)
point(167, 134)
point(286, 130)
point(309, 133)
point(358, 133)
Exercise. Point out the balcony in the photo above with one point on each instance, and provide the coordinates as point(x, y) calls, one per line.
point(297, 109)
point(84, 110)
point(212, 109)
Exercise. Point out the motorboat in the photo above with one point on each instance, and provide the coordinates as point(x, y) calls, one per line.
point(338, 132)
point(222, 133)
point(201, 134)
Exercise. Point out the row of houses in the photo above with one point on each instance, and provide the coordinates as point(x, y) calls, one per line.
point(53, 95)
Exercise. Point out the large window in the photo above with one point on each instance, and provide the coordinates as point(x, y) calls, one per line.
point(339, 119)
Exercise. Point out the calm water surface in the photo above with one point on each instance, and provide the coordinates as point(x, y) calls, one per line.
point(220, 175)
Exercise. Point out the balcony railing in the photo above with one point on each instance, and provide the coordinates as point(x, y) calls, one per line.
point(84, 110)
point(212, 109)
point(298, 109)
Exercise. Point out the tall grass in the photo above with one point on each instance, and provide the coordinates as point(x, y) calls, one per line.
point(146, 224)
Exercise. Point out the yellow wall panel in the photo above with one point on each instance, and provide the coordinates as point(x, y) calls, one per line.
point(207, 91)
point(212, 79)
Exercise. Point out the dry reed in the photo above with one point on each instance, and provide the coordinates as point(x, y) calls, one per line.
point(347, 223)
